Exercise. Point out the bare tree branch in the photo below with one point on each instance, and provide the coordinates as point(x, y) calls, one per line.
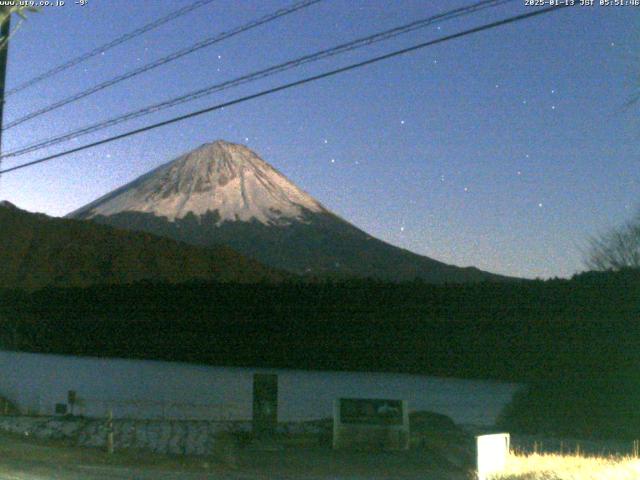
point(616, 249)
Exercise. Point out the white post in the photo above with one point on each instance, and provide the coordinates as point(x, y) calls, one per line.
point(491, 454)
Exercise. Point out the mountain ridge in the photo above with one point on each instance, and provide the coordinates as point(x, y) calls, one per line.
point(223, 193)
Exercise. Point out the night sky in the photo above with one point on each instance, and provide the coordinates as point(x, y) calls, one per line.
point(504, 150)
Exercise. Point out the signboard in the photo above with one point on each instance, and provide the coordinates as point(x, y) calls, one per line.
point(370, 411)
point(371, 423)
point(265, 404)
point(492, 454)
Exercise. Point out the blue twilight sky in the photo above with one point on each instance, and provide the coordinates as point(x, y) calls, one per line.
point(504, 149)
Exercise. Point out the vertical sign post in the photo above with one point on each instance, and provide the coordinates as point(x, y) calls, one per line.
point(71, 399)
point(265, 405)
point(110, 447)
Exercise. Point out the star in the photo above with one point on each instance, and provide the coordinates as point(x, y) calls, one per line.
point(518, 172)
point(553, 107)
point(219, 57)
point(524, 102)
point(553, 91)
point(326, 141)
point(333, 160)
point(466, 189)
point(435, 61)
point(401, 122)
point(402, 229)
point(540, 205)
point(497, 85)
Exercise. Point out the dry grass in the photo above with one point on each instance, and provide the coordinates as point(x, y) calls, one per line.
point(569, 467)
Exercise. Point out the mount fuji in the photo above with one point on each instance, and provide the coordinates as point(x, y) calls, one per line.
point(224, 194)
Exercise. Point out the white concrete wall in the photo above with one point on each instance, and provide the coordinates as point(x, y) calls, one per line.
point(150, 389)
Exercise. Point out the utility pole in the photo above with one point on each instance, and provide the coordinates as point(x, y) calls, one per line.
point(4, 38)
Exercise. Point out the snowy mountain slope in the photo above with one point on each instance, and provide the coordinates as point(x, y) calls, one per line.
point(224, 194)
point(223, 177)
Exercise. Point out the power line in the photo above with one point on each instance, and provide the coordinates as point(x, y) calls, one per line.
point(164, 60)
point(342, 48)
point(107, 46)
point(287, 86)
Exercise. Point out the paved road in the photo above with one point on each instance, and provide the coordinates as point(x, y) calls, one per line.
point(29, 470)
point(41, 471)
point(25, 459)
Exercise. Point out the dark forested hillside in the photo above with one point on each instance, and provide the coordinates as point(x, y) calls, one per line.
point(38, 251)
point(511, 331)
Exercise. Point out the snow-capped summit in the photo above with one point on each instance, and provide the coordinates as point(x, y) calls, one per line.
point(220, 177)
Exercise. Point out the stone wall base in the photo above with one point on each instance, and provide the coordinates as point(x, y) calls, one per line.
point(179, 437)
